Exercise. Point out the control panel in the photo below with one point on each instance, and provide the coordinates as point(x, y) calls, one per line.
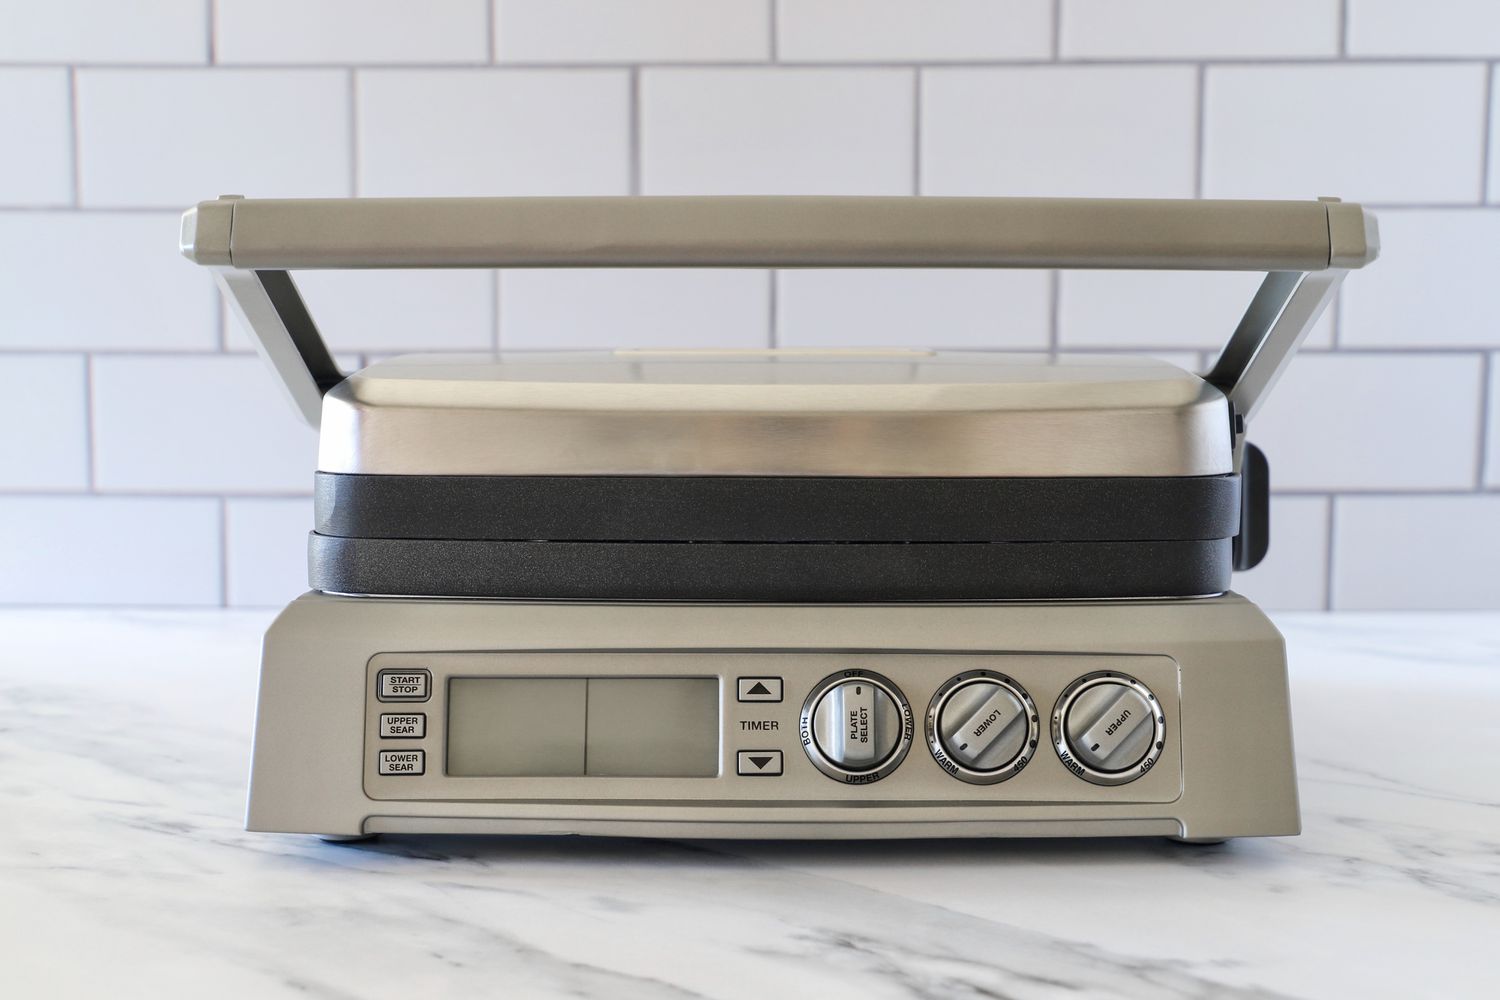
point(808, 726)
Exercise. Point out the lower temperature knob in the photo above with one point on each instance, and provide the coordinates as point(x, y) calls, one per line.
point(1108, 728)
point(982, 727)
point(856, 726)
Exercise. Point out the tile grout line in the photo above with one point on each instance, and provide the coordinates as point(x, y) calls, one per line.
point(1486, 412)
point(353, 111)
point(1487, 134)
point(489, 32)
point(1335, 323)
point(916, 131)
point(495, 309)
point(75, 145)
point(240, 493)
point(633, 113)
point(773, 29)
point(1433, 351)
point(89, 450)
point(1201, 81)
point(772, 314)
point(165, 209)
point(1330, 554)
point(211, 29)
point(1343, 29)
point(1056, 30)
point(223, 552)
point(1054, 310)
point(1103, 62)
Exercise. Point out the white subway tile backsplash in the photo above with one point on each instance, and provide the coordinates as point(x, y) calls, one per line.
point(493, 132)
point(1068, 131)
point(100, 281)
point(776, 131)
point(351, 31)
point(1195, 309)
point(914, 308)
point(394, 311)
point(196, 425)
point(1199, 29)
point(609, 308)
point(1294, 574)
point(116, 116)
point(912, 30)
point(265, 550)
point(36, 167)
point(104, 31)
point(619, 31)
point(1435, 284)
point(109, 550)
point(1372, 422)
point(171, 138)
point(1429, 28)
point(1416, 552)
point(43, 422)
point(1362, 133)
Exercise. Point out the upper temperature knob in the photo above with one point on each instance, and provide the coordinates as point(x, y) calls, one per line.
point(1108, 728)
point(856, 726)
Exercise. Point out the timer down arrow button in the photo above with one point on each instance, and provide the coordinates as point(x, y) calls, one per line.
point(758, 763)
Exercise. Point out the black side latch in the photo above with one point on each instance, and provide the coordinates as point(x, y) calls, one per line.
point(1254, 539)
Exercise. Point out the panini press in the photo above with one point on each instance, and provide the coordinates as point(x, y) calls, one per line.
point(777, 594)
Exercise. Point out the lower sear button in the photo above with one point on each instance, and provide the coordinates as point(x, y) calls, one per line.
point(402, 762)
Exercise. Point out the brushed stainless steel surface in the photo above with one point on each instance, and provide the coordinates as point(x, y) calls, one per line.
point(982, 727)
point(817, 231)
point(1217, 667)
point(1108, 728)
point(792, 413)
point(261, 240)
point(856, 726)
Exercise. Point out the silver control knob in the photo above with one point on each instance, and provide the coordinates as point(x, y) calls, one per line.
point(1108, 728)
point(856, 726)
point(982, 727)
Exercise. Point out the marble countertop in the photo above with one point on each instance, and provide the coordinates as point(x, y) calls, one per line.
point(124, 872)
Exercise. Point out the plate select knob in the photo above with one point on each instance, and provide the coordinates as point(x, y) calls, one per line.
point(856, 728)
point(981, 727)
point(1109, 728)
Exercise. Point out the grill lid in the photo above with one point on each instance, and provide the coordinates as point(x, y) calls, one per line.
point(776, 413)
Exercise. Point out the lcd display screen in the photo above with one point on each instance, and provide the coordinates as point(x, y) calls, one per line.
point(660, 727)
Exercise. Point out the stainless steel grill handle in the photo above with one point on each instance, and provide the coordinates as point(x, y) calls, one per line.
point(1305, 246)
